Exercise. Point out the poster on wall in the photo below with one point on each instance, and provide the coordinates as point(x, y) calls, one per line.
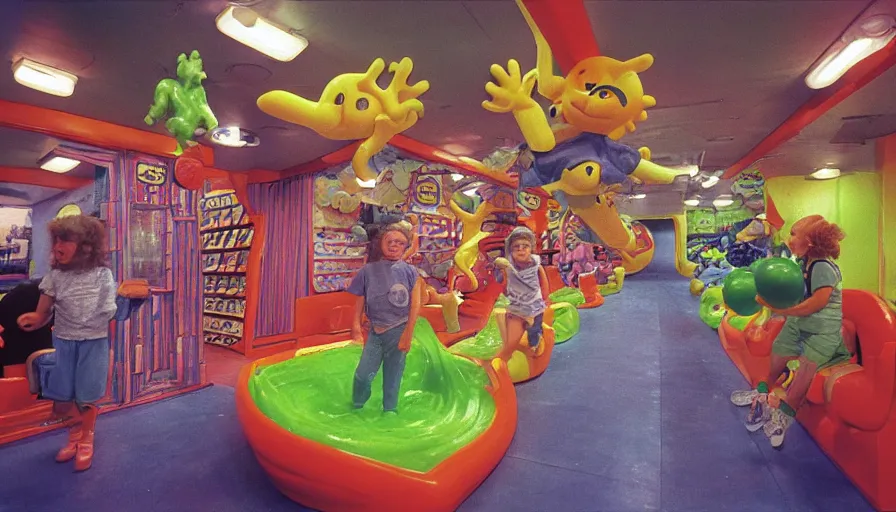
point(15, 245)
point(426, 193)
point(339, 241)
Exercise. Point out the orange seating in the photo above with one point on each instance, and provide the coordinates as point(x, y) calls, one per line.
point(588, 287)
point(851, 408)
point(324, 318)
point(15, 395)
point(554, 279)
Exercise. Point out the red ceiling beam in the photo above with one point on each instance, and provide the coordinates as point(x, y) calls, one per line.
point(402, 142)
point(822, 101)
point(567, 29)
point(90, 131)
point(41, 178)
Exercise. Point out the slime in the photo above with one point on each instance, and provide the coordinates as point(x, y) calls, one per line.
point(566, 321)
point(485, 345)
point(443, 405)
point(573, 296)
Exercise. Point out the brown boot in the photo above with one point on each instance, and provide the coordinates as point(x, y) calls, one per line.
point(84, 455)
point(72, 418)
point(68, 451)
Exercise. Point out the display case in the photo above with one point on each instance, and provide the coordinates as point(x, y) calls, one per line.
point(226, 235)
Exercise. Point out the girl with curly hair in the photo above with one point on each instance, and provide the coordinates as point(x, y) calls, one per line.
point(81, 290)
point(811, 332)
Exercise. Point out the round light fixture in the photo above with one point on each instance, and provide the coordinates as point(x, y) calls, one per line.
point(638, 196)
point(366, 183)
point(723, 201)
point(710, 181)
point(826, 173)
point(234, 137)
point(692, 202)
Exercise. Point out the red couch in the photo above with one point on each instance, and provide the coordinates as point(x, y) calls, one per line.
point(851, 408)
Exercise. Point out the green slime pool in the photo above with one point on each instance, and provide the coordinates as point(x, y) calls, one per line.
point(443, 403)
point(485, 345)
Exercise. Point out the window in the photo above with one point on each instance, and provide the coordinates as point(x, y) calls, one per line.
point(146, 242)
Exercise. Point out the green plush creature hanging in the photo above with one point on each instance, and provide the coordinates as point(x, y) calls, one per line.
point(186, 97)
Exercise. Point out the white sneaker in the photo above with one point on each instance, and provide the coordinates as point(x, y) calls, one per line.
point(744, 398)
point(777, 426)
point(760, 413)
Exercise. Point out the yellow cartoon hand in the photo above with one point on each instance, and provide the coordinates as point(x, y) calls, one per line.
point(399, 99)
point(513, 91)
point(405, 93)
point(644, 151)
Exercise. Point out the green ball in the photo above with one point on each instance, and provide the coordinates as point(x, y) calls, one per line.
point(739, 292)
point(780, 282)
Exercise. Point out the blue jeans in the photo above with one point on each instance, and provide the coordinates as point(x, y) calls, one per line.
point(77, 371)
point(380, 349)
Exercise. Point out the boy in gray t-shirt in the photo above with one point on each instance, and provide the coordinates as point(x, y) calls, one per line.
point(389, 291)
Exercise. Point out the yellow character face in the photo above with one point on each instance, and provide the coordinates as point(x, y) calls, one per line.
point(604, 95)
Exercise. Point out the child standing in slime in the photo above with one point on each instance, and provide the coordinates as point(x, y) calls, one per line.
point(527, 291)
point(81, 290)
point(389, 292)
point(811, 333)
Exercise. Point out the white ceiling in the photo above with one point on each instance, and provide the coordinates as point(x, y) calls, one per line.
point(726, 74)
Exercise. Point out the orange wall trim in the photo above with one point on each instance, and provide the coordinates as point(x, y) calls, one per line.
point(90, 131)
point(822, 101)
point(41, 178)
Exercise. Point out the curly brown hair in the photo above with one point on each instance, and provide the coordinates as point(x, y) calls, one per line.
point(824, 237)
point(90, 235)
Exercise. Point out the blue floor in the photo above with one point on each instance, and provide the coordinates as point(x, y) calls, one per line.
point(632, 415)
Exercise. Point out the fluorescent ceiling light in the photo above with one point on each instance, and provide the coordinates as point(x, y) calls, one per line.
point(638, 196)
point(692, 170)
point(457, 149)
point(863, 39)
point(710, 181)
point(43, 78)
point(247, 27)
point(366, 184)
point(59, 164)
point(826, 173)
point(470, 192)
point(457, 176)
point(692, 202)
point(723, 201)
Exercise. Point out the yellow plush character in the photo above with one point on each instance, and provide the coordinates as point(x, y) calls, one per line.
point(472, 234)
point(596, 103)
point(353, 107)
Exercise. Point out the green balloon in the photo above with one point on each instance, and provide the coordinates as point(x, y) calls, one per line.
point(739, 291)
point(780, 282)
point(755, 264)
